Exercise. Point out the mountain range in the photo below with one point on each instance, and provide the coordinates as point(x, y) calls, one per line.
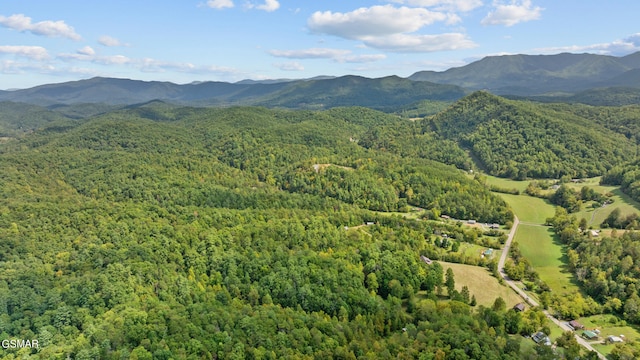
point(313, 94)
point(541, 74)
point(561, 76)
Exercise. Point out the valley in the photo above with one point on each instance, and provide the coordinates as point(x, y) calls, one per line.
point(334, 218)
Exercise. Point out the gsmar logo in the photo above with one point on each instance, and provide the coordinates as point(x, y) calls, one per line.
point(19, 343)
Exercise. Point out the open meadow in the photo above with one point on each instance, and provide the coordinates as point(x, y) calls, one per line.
point(482, 284)
point(530, 209)
point(507, 184)
point(595, 216)
point(539, 245)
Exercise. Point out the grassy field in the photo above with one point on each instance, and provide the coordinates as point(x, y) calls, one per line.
point(536, 210)
point(413, 214)
point(482, 284)
point(539, 245)
point(529, 209)
point(620, 200)
point(474, 251)
point(519, 185)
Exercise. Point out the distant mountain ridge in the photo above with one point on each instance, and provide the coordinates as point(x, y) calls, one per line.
point(540, 74)
point(316, 93)
point(561, 75)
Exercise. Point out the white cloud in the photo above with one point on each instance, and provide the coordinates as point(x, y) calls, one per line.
point(87, 55)
point(337, 55)
point(373, 21)
point(367, 58)
point(15, 67)
point(510, 14)
point(314, 53)
point(220, 4)
point(269, 5)
point(393, 28)
point(617, 47)
point(112, 60)
point(633, 39)
point(145, 64)
point(408, 43)
point(446, 5)
point(290, 66)
point(31, 52)
point(87, 50)
point(48, 28)
point(106, 40)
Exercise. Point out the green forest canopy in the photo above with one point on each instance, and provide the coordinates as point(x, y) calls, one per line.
point(158, 231)
point(178, 232)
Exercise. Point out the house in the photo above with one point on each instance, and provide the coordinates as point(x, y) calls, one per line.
point(615, 339)
point(595, 233)
point(576, 325)
point(426, 260)
point(494, 226)
point(471, 222)
point(519, 307)
point(589, 335)
point(446, 217)
point(541, 338)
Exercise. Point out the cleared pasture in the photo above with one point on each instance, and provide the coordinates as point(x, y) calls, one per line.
point(519, 185)
point(529, 209)
point(481, 283)
point(539, 245)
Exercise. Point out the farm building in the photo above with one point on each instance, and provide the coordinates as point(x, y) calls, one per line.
point(576, 325)
point(589, 335)
point(614, 339)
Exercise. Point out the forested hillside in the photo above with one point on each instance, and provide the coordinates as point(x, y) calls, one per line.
point(607, 96)
point(627, 176)
point(163, 232)
point(519, 139)
point(621, 119)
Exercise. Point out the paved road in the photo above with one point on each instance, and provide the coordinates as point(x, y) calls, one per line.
point(532, 302)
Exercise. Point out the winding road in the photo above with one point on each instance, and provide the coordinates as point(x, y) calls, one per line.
point(532, 302)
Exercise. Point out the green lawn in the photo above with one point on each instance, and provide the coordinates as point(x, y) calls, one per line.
point(473, 250)
point(507, 183)
point(528, 208)
point(413, 214)
point(539, 245)
point(481, 283)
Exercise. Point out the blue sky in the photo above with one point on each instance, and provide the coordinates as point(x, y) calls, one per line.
point(44, 41)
